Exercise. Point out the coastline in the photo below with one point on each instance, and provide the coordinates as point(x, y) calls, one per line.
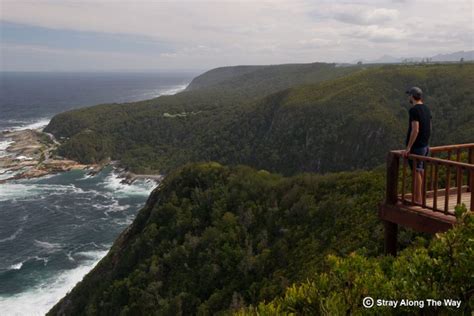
point(27, 152)
point(102, 197)
point(30, 153)
point(76, 212)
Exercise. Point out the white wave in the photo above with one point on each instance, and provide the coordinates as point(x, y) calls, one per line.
point(125, 221)
point(91, 254)
point(6, 174)
point(26, 190)
point(4, 144)
point(159, 92)
point(113, 183)
point(45, 260)
point(23, 158)
point(13, 236)
point(38, 124)
point(69, 256)
point(111, 207)
point(48, 246)
point(16, 266)
point(174, 90)
point(15, 121)
point(39, 300)
point(86, 176)
point(154, 93)
point(3, 171)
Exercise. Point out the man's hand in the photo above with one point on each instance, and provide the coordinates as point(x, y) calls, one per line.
point(406, 152)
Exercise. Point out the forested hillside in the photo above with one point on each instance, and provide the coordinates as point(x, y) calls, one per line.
point(222, 239)
point(440, 271)
point(214, 239)
point(284, 118)
point(211, 236)
point(258, 81)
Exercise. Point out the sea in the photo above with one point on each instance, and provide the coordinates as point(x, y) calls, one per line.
point(55, 229)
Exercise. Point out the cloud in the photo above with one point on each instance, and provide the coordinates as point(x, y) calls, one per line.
point(205, 34)
point(72, 39)
point(316, 42)
point(379, 34)
point(364, 16)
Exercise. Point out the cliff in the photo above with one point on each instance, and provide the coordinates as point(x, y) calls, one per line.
point(212, 237)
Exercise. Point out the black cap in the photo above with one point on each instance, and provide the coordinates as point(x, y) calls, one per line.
point(415, 92)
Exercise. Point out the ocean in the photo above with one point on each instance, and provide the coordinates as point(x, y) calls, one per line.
point(54, 229)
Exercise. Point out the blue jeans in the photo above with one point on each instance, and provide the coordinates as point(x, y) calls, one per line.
point(420, 151)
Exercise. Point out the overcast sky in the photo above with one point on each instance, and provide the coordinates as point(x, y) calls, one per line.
point(143, 35)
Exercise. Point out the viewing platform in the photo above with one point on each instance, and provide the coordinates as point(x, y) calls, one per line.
point(448, 179)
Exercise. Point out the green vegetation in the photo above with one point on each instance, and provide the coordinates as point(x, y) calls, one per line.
point(442, 270)
point(285, 118)
point(212, 235)
point(214, 239)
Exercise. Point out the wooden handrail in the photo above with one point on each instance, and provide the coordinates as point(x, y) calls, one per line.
point(432, 212)
point(457, 178)
point(437, 149)
point(440, 161)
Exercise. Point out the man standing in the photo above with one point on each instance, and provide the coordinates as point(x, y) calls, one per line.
point(418, 135)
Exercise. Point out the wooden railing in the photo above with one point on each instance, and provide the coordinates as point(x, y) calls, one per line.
point(448, 176)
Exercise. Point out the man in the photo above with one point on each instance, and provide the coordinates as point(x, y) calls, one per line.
point(418, 136)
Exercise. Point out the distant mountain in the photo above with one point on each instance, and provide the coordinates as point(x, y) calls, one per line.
point(386, 59)
point(258, 81)
point(220, 74)
point(468, 56)
point(452, 57)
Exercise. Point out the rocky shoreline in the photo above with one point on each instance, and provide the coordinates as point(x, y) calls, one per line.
point(30, 153)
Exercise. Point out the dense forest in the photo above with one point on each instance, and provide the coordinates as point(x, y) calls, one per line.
point(217, 239)
point(269, 204)
point(439, 270)
point(285, 118)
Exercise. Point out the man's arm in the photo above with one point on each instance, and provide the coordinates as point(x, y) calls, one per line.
point(415, 127)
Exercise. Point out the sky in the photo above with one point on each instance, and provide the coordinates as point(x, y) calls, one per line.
point(103, 35)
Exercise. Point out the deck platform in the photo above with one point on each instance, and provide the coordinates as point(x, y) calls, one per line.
point(423, 219)
point(447, 181)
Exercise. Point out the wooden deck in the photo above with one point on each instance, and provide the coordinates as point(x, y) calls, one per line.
point(424, 219)
point(452, 202)
point(447, 181)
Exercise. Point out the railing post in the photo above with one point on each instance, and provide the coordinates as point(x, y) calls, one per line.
point(435, 188)
point(459, 176)
point(393, 163)
point(391, 197)
point(447, 190)
point(471, 176)
point(413, 180)
point(432, 174)
point(470, 160)
point(423, 184)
